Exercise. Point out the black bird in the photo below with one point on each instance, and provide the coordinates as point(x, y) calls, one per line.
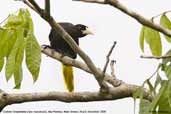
point(60, 45)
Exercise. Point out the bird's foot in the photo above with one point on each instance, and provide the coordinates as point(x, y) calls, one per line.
point(44, 46)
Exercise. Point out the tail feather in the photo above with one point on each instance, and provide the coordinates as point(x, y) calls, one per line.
point(68, 77)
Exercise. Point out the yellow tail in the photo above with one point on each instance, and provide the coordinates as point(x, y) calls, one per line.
point(68, 77)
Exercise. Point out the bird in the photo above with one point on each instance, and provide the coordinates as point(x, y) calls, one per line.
point(60, 45)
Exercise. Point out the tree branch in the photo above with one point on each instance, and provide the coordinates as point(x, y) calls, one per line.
point(30, 5)
point(108, 57)
point(112, 69)
point(123, 91)
point(155, 57)
point(35, 5)
point(132, 14)
point(71, 43)
point(47, 7)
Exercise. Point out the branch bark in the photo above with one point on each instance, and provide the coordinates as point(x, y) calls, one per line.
point(47, 7)
point(131, 13)
point(108, 57)
point(123, 91)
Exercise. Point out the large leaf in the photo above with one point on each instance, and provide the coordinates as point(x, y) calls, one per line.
point(1, 52)
point(18, 76)
point(25, 15)
point(18, 73)
point(164, 105)
point(13, 21)
point(12, 37)
point(158, 98)
point(4, 42)
point(33, 55)
point(1, 63)
point(166, 65)
point(165, 22)
point(141, 39)
point(138, 93)
point(144, 106)
point(152, 37)
point(157, 81)
point(150, 86)
point(11, 59)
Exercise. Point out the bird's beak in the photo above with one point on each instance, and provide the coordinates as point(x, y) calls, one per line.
point(88, 32)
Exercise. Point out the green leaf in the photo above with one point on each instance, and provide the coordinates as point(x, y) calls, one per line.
point(138, 93)
point(157, 99)
point(141, 39)
point(8, 39)
point(150, 86)
point(152, 37)
point(165, 22)
point(33, 55)
point(3, 43)
point(1, 63)
point(166, 60)
point(18, 73)
point(169, 93)
point(18, 76)
point(168, 71)
point(13, 21)
point(166, 65)
point(28, 24)
point(11, 39)
point(164, 105)
point(144, 106)
point(11, 59)
point(157, 81)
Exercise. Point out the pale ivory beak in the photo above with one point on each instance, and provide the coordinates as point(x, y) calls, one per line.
point(87, 32)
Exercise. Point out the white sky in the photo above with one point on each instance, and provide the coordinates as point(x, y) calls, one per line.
point(109, 25)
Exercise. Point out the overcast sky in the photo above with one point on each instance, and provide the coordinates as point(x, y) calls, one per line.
point(108, 25)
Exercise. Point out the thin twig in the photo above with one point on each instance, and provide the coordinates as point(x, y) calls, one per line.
point(3, 20)
point(117, 82)
point(7, 18)
point(30, 5)
point(47, 7)
point(155, 57)
point(108, 57)
point(161, 14)
point(103, 88)
point(112, 68)
point(154, 73)
point(35, 5)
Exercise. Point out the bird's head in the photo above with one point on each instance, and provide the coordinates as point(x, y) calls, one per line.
point(84, 30)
